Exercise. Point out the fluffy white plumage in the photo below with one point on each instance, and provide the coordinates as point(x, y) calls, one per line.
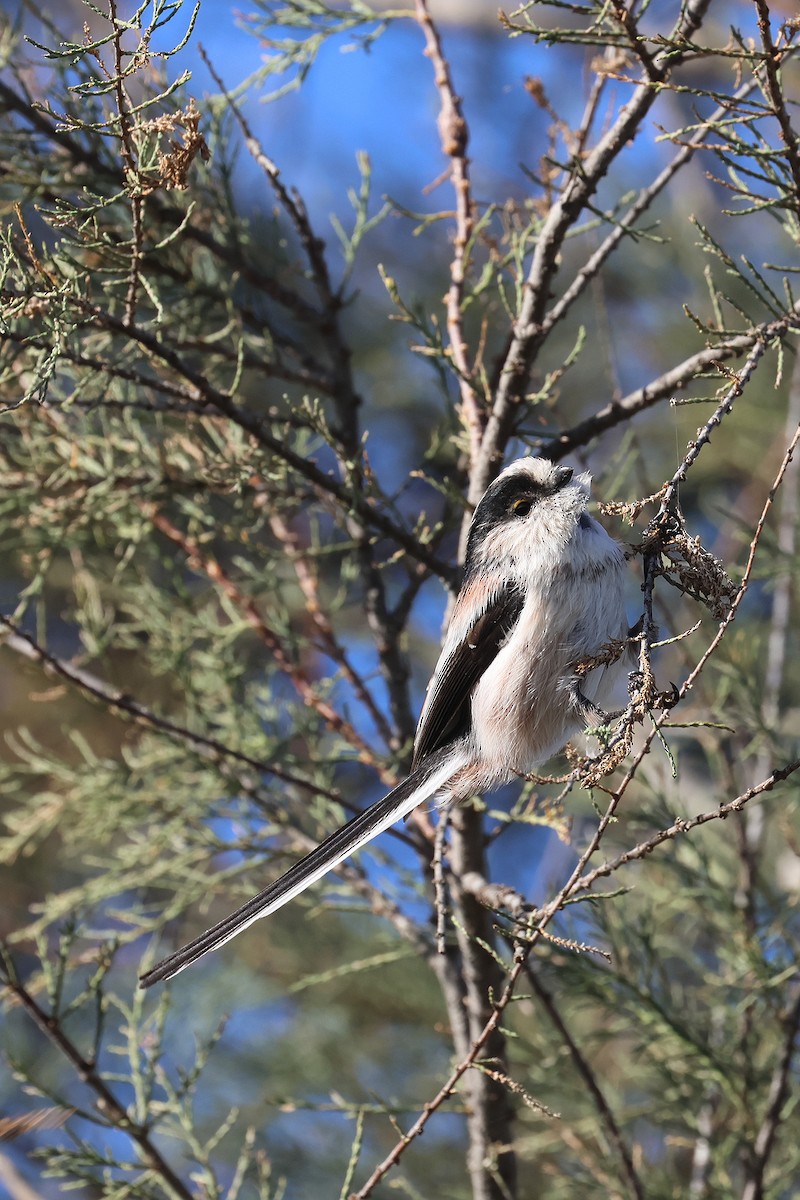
point(543, 588)
point(571, 575)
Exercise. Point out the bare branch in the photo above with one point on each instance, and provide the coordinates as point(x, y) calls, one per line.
point(617, 412)
point(583, 1066)
point(682, 826)
point(454, 134)
point(778, 1095)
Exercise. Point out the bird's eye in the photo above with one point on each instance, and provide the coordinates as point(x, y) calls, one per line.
point(521, 507)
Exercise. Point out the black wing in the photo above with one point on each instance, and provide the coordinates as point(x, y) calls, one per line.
point(446, 714)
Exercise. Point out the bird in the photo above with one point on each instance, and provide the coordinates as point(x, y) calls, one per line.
point(542, 591)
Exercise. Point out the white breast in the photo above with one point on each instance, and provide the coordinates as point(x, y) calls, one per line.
point(525, 707)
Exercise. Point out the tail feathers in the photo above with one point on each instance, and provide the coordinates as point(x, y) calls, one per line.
point(429, 778)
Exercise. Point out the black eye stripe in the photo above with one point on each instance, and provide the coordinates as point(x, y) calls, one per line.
point(496, 507)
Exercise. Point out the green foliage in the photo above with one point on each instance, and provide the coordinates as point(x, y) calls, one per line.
point(220, 607)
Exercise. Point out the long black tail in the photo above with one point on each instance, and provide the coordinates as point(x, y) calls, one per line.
point(423, 783)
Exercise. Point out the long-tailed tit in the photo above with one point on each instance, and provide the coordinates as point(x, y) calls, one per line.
point(542, 590)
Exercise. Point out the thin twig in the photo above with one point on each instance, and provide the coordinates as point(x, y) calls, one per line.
point(658, 721)
point(688, 683)
point(200, 389)
point(786, 542)
point(768, 332)
point(682, 826)
point(243, 266)
point(343, 393)
point(209, 566)
point(117, 701)
point(522, 951)
point(618, 412)
point(218, 752)
point(129, 165)
point(623, 227)
point(106, 1102)
point(584, 1069)
point(309, 586)
point(778, 102)
point(448, 1087)
point(778, 1094)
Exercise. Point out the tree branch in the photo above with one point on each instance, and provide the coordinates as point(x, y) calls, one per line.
point(618, 412)
point(454, 135)
point(776, 97)
point(117, 701)
point(580, 186)
point(588, 1076)
point(778, 1095)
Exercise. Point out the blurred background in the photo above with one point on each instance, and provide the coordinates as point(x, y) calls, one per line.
point(326, 1017)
